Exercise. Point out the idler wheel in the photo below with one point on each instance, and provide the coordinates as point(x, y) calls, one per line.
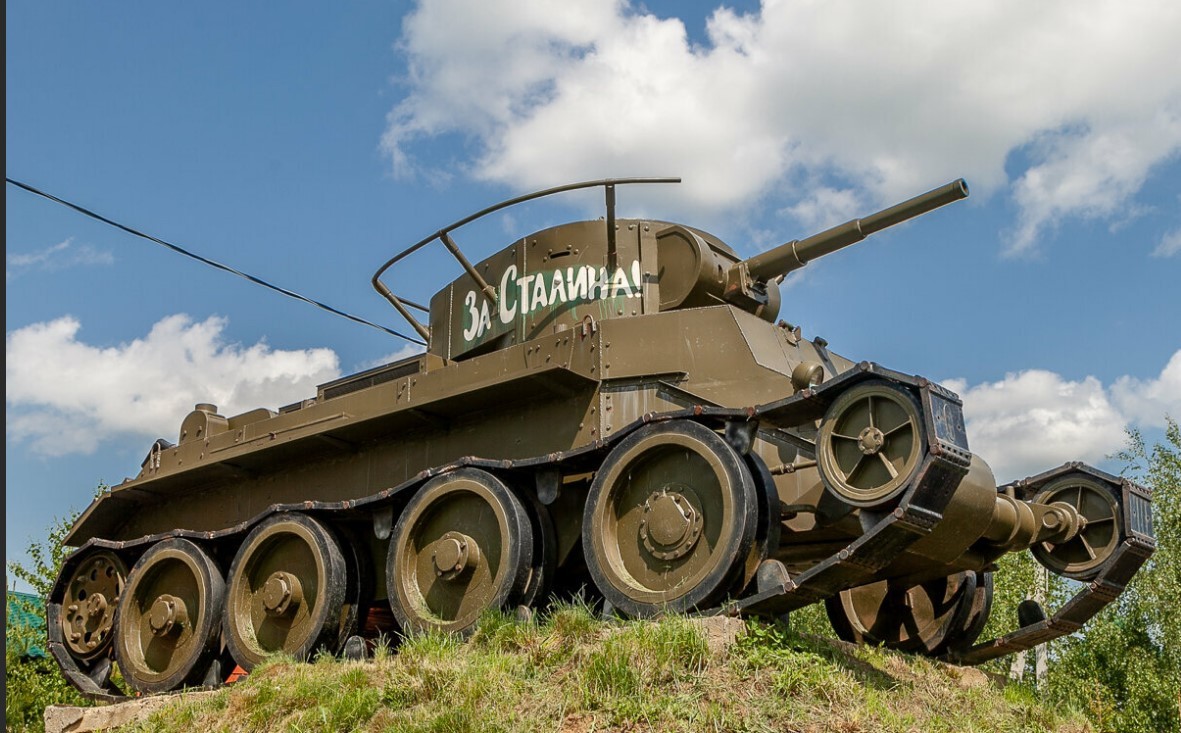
point(926, 618)
point(288, 586)
point(169, 618)
point(1082, 556)
point(462, 546)
point(670, 520)
point(870, 444)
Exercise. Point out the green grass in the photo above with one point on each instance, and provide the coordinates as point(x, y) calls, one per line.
point(572, 672)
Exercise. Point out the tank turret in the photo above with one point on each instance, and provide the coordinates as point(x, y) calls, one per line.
point(612, 267)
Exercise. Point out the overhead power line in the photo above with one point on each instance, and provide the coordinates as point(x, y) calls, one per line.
point(205, 260)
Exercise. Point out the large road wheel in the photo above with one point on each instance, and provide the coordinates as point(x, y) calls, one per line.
point(1082, 556)
point(924, 618)
point(870, 444)
point(169, 618)
point(462, 546)
point(670, 520)
point(287, 590)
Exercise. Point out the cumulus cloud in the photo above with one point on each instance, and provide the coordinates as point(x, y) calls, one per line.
point(1148, 401)
point(1034, 420)
point(55, 257)
point(1090, 173)
point(1066, 111)
point(66, 396)
point(1170, 244)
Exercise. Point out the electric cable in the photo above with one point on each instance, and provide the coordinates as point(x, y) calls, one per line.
point(205, 260)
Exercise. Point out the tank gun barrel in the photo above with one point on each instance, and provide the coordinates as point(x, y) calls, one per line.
point(797, 253)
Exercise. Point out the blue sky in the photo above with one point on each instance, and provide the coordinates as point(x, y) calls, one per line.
point(307, 146)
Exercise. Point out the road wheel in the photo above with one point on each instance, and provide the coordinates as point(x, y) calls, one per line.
point(545, 554)
point(463, 545)
point(925, 618)
point(966, 635)
point(670, 520)
point(169, 618)
point(287, 590)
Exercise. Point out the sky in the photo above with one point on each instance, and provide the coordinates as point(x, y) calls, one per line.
point(306, 147)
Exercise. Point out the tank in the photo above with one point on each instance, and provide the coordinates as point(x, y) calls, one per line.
point(611, 404)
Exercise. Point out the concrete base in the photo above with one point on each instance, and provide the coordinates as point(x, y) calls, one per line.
point(68, 719)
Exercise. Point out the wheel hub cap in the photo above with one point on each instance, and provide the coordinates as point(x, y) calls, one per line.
point(281, 593)
point(453, 554)
point(167, 615)
point(871, 440)
point(670, 526)
point(96, 605)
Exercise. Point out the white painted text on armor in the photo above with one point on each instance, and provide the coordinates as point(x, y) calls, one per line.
point(528, 293)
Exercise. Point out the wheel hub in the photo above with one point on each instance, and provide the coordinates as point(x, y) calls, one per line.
point(168, 614)
point(871, 440)
point(90, 622)
point(453, 554)
point(670, 525)
point(96, 606)
point(281, 594)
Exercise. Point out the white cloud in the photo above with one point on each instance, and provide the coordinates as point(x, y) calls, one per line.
point(56, 257)
point(405, 352)
point(1170, 244)
point(886, 98)
point(66, 396)
point(1035, 420)
point(823, 207)
point(1148, 401)
point(1090, 174)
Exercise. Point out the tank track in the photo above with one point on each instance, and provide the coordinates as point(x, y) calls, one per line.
point(917, 512)
point(1137, 546)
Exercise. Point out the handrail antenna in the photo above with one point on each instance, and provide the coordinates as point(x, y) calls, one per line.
point(444, 235)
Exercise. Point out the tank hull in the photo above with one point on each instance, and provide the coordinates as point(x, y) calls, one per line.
point(641, 429)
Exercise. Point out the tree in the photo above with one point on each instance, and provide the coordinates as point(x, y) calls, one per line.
point(1124, 670)
point(1160, 469)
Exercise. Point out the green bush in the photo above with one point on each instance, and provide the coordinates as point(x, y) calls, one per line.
point(32, 684)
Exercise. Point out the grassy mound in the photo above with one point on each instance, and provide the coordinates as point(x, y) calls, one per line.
point(572, 672)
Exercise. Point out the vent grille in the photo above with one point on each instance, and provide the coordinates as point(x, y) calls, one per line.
point(371, 378)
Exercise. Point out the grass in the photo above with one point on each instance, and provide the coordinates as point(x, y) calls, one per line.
point(569, 671)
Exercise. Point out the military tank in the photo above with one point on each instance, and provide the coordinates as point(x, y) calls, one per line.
point(612, 403)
